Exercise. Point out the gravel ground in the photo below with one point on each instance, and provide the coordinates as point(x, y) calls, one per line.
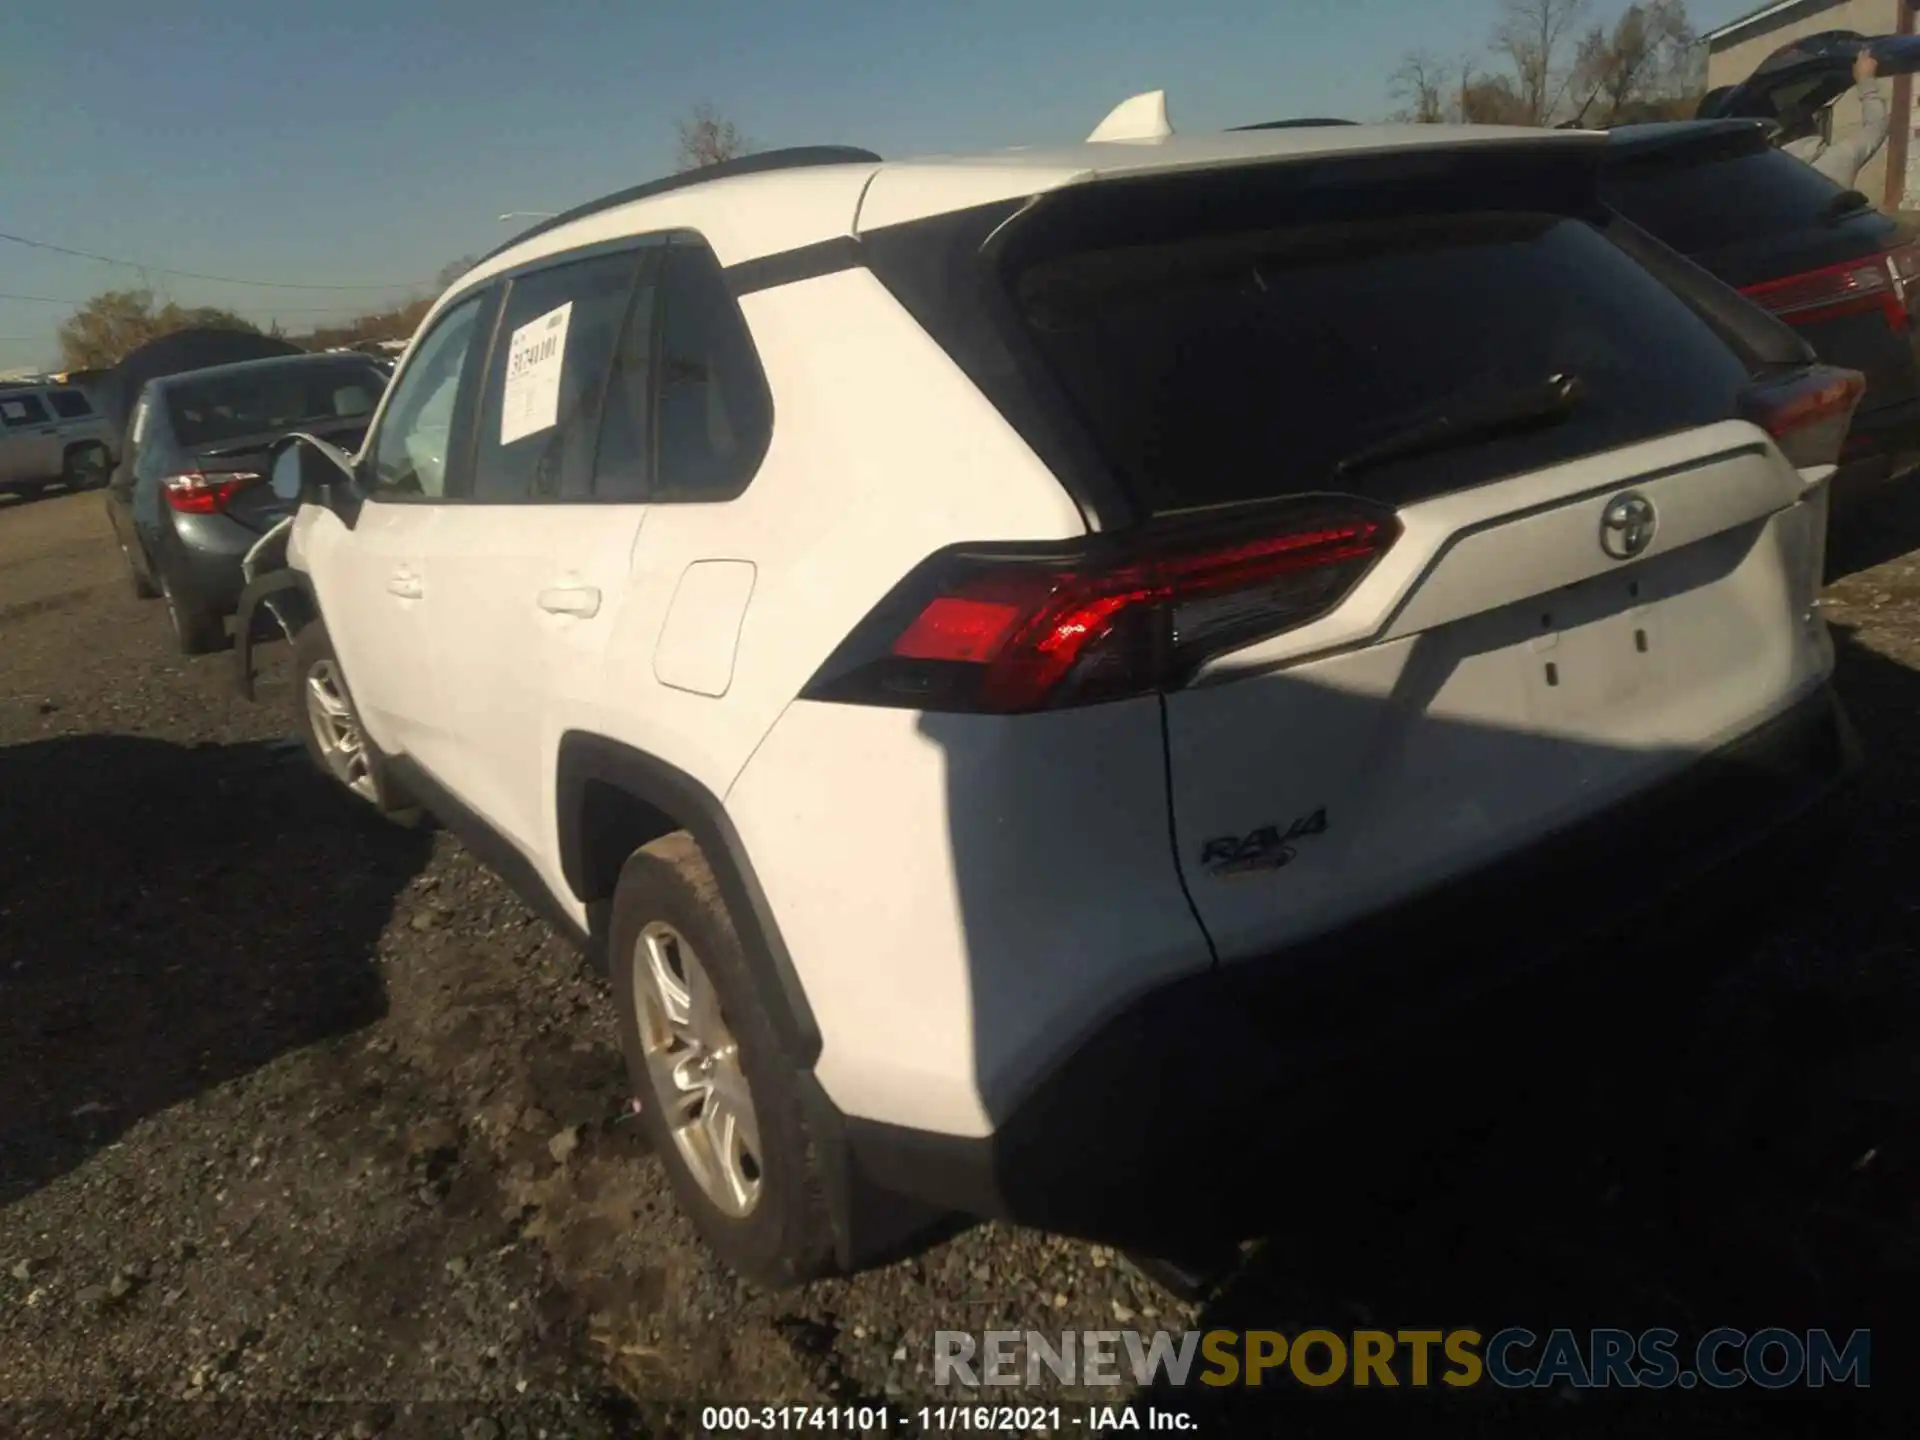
point(307, 1126)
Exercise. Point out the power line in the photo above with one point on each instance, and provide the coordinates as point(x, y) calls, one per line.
point(277, 309)
point(195, 275)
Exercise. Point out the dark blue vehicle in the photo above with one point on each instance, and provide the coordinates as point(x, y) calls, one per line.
point(190, 497)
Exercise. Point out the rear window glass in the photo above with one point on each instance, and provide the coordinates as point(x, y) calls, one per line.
point(70, 404)
point(20, 410)
point(1721, 201)
point(1247, 366)
point(276, 397)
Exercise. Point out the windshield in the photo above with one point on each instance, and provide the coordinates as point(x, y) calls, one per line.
point(277, 397)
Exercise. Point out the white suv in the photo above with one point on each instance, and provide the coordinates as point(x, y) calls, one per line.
point(990, 653)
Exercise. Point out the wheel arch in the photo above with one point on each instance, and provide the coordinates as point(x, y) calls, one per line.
point(611, 800)
point(288, 597)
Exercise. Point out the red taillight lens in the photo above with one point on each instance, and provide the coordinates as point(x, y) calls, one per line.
point(195, 492)
point(1873, 282)
point(1006, 630)
point(1808, 413)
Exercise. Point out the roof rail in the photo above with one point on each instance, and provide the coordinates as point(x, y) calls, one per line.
point(1289, 124)
point(790, 159)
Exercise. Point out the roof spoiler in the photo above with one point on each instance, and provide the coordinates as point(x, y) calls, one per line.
point(1142, 117)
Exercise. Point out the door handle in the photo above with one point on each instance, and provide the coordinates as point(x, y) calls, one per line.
point(406, 585)
point(581, 600)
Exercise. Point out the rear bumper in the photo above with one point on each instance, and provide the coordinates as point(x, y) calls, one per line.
point(1134, 1104)
point(204, 554)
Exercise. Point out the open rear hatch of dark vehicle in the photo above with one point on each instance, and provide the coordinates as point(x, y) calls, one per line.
point(1806, 74)
point(1812, 252)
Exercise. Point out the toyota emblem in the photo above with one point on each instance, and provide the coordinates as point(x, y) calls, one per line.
point(1626, 525)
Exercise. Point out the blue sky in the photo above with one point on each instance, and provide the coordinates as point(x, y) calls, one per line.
point(368, 142)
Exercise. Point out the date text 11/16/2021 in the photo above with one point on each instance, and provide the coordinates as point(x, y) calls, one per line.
point(939, 1419)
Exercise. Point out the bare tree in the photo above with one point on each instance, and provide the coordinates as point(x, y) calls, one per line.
point(1421, 86)
point(453, 270)
point(707, 138)
point(1534, 36)
point(1645, 68)
point(1490, 100)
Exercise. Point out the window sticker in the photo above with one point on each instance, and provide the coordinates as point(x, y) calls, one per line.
point(535, 354)
point(13, 410)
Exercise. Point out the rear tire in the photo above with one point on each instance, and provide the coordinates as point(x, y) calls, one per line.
point(197, 630)
point(329, 724)
point(137, 578)
point(752, 1187)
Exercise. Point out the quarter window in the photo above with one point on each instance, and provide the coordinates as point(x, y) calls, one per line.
point(714, 415)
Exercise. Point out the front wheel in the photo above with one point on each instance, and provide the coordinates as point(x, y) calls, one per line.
point(330, 725)
point(719, 1104)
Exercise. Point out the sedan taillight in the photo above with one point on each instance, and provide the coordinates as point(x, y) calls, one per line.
point(1880, 282)
point(195, 492)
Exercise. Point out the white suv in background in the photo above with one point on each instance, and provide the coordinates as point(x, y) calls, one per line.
point(50, 435)
point(994, 655)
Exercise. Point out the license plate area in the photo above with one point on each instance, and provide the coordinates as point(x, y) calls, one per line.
point(1598, 646)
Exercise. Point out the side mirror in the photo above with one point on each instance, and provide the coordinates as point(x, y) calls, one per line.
point(307, 470)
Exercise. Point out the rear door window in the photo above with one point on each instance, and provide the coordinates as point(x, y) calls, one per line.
point(70, 404)
point(546, 381)
point(1221, 368)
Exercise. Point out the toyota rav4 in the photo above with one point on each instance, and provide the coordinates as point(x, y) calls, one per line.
point(1007, 661)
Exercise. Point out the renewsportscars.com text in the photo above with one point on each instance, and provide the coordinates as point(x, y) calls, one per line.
point(1513, 1358)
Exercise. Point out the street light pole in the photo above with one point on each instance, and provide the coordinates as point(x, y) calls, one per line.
point(527, 215)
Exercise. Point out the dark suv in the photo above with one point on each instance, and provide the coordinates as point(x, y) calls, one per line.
point(1817, 255)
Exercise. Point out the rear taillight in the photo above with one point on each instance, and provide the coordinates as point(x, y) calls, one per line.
point(1881, 282)
point(1006, 629)
point(195, 492)
point(1808, 413)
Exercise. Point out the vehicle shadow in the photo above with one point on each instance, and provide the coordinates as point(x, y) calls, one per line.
point(15, 500)
point(1875, 528)
point(1595, 1155)
point(172, 917)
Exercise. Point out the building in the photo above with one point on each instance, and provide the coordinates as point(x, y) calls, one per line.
point(1736, 49)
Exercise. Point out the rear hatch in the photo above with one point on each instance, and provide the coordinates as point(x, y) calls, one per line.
point(1450, 529)
point(1817, 255)
point(228, 419)
point(1809, 73)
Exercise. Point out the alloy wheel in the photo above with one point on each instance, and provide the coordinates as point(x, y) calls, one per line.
point(337, 732)
point(693, 1063)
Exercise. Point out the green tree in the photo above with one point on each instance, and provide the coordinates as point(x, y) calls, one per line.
point(115, 323)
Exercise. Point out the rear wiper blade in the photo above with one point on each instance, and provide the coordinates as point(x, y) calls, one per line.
point(1547, 403)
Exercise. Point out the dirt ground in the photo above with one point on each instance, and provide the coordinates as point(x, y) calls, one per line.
point(308, 1127)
